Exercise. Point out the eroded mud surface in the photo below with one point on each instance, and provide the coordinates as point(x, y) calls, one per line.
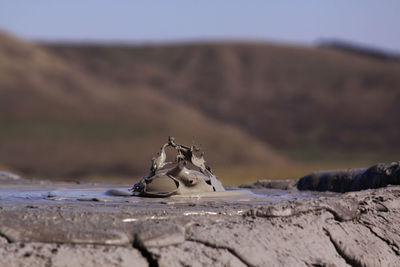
point(78, 225)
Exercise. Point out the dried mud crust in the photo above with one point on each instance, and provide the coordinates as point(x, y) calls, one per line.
point(43, 254)
point(357, 228)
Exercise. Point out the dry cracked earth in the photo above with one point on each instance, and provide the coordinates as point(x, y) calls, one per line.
point(351, 229)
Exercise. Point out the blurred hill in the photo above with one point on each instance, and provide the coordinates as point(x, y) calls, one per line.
point(58, 121)
point(77, 110)
point(296, 99)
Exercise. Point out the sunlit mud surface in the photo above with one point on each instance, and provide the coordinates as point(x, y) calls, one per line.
point(45, 223)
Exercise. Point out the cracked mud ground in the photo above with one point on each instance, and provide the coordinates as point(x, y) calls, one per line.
point(356, 229)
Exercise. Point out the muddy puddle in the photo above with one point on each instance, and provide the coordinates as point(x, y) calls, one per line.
point(117, 193)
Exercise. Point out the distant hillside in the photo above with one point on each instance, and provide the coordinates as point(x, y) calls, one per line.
point(316, 101)
point(60, 120)
point(103, 110)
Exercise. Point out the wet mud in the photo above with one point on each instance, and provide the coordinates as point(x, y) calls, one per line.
point(65, 224)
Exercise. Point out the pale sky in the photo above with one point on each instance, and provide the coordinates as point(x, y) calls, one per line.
point(367, 22)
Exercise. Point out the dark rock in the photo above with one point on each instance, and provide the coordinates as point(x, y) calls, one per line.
point(379, 175)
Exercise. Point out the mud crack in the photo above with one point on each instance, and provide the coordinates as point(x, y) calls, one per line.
point(232, 251)
point(9, 240)
point(348, 259)
point(151, 259)
point(388, 242)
